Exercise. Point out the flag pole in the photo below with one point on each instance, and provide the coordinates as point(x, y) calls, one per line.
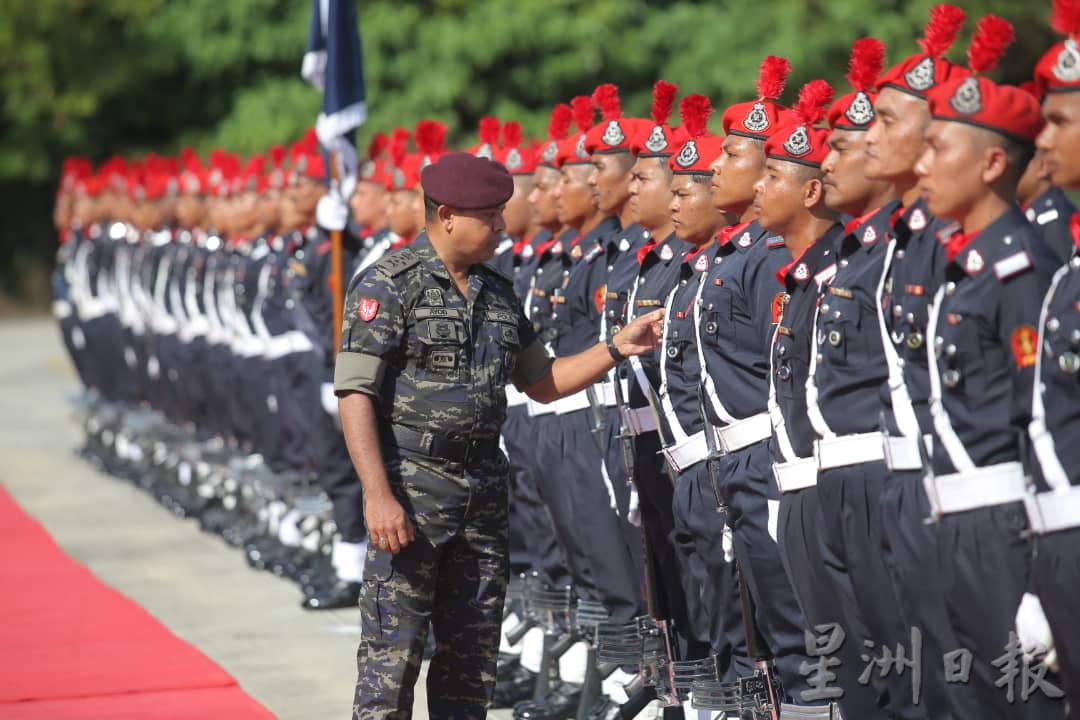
point(336, 284)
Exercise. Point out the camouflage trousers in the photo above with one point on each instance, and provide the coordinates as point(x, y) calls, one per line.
point(454, 576)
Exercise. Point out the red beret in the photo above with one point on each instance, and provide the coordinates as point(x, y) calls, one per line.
point(855, 111)
point(700, 148)
point(759, 119)
point(923, 71)
point(614, 133)
point(468, 182)
point(1059, 69)
point(981, 102)
point(801, 142)
point(515, 158)
point(658, 138)
point(572, 150)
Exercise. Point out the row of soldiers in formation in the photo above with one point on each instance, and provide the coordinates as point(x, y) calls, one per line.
point(856, 438)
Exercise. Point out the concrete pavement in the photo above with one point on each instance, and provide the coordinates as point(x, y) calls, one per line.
point(301, 665)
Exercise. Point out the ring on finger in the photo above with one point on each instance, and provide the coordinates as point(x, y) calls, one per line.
point(382, 542)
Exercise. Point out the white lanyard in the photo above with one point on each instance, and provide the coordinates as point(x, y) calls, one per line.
point(1041, 439)
point(902, 408)
point(706, 379)
point(958, 454)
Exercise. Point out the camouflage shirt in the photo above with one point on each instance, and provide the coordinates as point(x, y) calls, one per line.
point(434, 360)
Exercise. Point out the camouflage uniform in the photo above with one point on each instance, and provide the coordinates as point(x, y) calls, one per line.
point(437, 365)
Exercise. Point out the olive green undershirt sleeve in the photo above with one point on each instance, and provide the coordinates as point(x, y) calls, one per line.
point(358, 372)
point(533, 363)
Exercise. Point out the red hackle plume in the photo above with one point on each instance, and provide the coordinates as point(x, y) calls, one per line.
point(399, 146)
point(945, 23)
point(511, 133)
point(489, 130)
point(561, 117)
point(1066, 17)
point(311, 141)
point(378, 145)
point(993, 35)
point(583, 112)
point(1031, 88)
point(866, 64)
point(430, 137)
point(277, 156)
point(695, 111)
point(772, 77)
point(814, 98)
point(663, 94)
point(606, 99)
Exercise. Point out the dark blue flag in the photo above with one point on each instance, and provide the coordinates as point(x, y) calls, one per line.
point(333, 63)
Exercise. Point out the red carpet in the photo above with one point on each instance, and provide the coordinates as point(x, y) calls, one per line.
point(73, 648)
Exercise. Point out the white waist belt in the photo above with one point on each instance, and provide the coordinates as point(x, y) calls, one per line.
point(902, 453)
point(572, 403)
point(795, 475)
point(515, 398)
point(639, 420)
point(1053, 511)
point(845, 450)
point(292, 341)
point(978, 488)
point(682, 455)
point(744, 433)
point(536, 409)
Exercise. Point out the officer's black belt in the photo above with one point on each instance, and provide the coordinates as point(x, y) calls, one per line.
point(444, 448)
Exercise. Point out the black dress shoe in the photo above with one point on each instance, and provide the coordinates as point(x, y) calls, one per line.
point(560, 704)
point(512, 686)
point(340, 595)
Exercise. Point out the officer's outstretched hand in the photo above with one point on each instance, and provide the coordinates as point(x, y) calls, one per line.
point(643, 334)
point(388, 525)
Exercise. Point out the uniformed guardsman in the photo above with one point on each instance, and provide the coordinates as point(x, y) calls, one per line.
point(982, 358)
point(1047, 206)
point(701, 533)
point(1054, 513)
point(913, 269)
point(789, 199)
point(847, 369)
point(431, 337)
point(734, 318)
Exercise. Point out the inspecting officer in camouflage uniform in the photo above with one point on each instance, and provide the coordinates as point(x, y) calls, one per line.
point(431, 336)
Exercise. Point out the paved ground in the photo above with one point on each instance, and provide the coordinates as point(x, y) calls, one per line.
point(298, 664)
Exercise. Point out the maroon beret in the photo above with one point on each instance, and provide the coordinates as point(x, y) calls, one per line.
point(465, 181)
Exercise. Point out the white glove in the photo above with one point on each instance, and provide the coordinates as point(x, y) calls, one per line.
point(331, 213)
point(633, 514)
point(328, 398)
point(1033, 630)
point(728, 544)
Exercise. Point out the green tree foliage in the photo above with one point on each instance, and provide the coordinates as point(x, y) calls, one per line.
point(99, 77)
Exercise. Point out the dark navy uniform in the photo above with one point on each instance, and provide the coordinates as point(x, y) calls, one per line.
point(734, 320)
point(700, 532)
point(983, 356)
point(795, 467)
point(1054, 514)
point(576, 304)
point(1050, 212)
point(914, 267)
point(847, 368)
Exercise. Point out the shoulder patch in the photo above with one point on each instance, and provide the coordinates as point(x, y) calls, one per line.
point(398, 262)
point(1012, 265)
point(1025, 346)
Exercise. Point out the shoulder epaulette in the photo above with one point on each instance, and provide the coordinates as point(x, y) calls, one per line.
point(398, 262)
point(1012, 265)
point(947, 232)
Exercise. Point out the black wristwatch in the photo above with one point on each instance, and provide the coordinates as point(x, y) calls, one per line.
point(614, 351)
